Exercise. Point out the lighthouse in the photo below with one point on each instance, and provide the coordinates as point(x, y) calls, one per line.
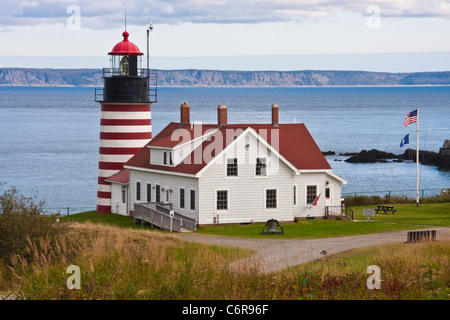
point(125, 124)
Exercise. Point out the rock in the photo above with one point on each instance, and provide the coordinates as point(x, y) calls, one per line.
point(441, 159)
point(425, 157)
point(444, 155)
point(371, 156)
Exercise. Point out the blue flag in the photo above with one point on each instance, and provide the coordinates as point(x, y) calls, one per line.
point(405, 140)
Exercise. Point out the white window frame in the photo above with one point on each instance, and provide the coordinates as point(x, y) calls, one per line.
point(261, 176)
point(226, 168)
point(306, 193)
point(265, 199)
point(228, 201)
point(146, 191)
point(136, 191)
point(330, 187)
point(295, 195)
point(184, 198)
point(190, 200)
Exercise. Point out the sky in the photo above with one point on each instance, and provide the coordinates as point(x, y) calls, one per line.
point(377, 35)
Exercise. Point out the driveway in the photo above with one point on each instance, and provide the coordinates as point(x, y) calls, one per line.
point(277, 254)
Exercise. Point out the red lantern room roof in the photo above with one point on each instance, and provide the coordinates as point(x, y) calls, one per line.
point(125, 47)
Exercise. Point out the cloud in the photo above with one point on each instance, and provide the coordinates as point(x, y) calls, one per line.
point(103, 14)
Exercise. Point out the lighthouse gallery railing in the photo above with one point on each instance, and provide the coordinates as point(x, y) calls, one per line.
point(129, 93)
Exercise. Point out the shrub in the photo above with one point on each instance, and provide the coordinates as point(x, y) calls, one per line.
point(22, 220)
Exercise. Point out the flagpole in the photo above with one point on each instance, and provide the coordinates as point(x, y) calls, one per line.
point(417, 160)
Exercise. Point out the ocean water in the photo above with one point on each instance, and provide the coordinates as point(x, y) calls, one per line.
point(49, 135)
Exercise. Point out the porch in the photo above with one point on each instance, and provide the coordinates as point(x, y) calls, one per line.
point(338, 212)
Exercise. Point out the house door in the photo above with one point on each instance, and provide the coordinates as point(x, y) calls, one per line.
point(328, 197)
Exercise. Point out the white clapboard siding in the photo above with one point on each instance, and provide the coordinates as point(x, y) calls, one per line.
point(246, 193)
point(156, 156)
point(166, 181)
point(304, 209)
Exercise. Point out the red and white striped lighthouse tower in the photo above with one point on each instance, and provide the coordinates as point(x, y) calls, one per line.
point(125, 125)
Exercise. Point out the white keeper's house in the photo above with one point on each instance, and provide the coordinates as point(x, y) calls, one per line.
point(229, 173)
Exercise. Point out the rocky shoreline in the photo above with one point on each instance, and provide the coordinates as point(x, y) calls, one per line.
point(439, 159)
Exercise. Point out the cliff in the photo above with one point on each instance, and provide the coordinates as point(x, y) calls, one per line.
point(217, 78)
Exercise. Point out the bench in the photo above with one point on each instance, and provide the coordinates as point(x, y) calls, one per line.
point(385, 209)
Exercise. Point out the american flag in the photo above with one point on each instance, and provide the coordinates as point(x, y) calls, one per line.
point(411, 117)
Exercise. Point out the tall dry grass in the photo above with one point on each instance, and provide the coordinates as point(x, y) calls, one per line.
point(131, 264)
point(120, 263)
point(402, 267)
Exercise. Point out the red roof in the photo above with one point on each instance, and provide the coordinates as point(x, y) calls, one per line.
point(296, 145)
point(122, 176)
point(125, 47)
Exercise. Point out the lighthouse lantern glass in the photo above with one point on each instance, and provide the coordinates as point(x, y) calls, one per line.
point(122, 64)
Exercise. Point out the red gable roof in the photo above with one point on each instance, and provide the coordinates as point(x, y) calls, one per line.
point(296, 145)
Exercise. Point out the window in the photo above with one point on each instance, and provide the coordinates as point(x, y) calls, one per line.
point(158, 193)
point(232, 167)
point(261, 167)
point(167, 195)
point(164, 157)
point(181, 198)
point(311, 194)
point(222, 200)
point(295, 195)
point(124, 66)
point(192, 199)
point(327, 193)
point(271, 198)
point(170, 158)
point(123, 194)
point(149, 192)
point(138, 191)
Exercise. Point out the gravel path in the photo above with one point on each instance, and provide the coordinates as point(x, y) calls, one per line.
point(277, 254)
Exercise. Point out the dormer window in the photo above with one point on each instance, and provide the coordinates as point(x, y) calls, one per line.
point(167, 158)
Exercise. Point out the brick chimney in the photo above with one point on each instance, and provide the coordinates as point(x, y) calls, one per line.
point(275, 115)
point(184, 113)
point(222, 115)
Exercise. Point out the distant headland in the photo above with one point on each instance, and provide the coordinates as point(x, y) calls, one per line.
point(218, 78)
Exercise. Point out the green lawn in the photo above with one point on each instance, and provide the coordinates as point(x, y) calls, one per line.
point(433, 214)
point(407, 217)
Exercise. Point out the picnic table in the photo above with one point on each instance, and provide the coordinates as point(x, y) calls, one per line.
point(385, 209)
